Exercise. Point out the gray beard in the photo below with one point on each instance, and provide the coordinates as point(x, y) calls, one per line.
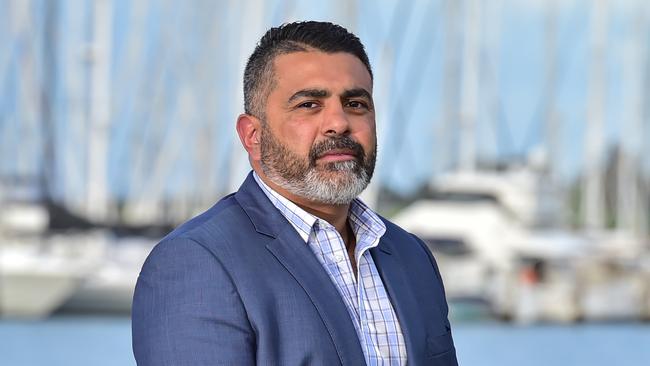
point(335, 183)
point(315, 187)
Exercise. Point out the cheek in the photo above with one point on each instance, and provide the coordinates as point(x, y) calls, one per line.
point(300, 137)
point(366, 136)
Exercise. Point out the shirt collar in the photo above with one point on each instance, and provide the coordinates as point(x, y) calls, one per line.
point(363, 220)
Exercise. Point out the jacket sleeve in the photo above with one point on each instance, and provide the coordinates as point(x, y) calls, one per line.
point(187, 311)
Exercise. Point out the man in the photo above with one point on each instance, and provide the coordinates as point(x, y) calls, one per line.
point(293, 269)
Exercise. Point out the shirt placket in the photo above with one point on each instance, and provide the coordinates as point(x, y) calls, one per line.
point(334, 259)
point(366, 305)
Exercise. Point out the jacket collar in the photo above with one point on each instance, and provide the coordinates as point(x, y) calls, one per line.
point(266, 219)
point(400, 291)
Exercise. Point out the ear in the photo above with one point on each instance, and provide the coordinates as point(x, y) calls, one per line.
point(249, 131)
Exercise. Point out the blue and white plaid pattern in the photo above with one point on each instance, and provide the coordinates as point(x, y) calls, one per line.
point(367, 302)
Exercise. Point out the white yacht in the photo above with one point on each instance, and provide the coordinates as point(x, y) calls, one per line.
point(483, 228)
point(37, 273)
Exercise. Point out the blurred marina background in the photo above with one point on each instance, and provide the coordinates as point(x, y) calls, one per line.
point(513, 138)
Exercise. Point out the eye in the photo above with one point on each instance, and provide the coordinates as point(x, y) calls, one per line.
point(308, 105)
point(356, 104)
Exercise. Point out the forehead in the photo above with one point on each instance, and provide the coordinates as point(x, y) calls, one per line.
point(315, 69)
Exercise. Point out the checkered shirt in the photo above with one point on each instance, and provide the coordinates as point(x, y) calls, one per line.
point(367, 302)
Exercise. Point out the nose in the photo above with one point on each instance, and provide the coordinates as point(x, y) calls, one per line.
point(335, 121)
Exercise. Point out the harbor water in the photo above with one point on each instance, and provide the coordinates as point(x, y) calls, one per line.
point(67, 340)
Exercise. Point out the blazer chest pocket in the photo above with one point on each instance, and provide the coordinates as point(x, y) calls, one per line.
point(439, 345)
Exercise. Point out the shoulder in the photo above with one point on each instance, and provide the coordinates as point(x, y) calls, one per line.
point(213, 219)
point(212, 236)
point(223, 223)
point(202, 250)
point(185, 287)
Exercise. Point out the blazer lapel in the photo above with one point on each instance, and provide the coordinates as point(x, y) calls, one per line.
point(401, 294)
point(296, 257)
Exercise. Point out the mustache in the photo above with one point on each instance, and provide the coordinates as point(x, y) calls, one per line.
point(335, 143)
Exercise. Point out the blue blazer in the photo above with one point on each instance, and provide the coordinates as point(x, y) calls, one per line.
point(236, 285)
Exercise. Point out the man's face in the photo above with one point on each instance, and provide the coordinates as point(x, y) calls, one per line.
point(318, 140)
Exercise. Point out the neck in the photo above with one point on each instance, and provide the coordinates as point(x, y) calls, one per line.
point(336, 215)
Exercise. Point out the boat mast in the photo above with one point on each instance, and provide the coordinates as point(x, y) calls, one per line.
point(629, 208)
point(50, 47)
point(551, 120)
point(491, 64)
point(451, 89)
point(97, 199)
point(469, 85)
point(593, 205)
point(550, 196)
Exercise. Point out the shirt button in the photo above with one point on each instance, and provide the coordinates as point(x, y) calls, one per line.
point(338, 258)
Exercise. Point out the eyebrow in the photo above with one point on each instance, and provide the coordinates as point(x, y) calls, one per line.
point(357, 92)
point(322, 93)
point(309, 93)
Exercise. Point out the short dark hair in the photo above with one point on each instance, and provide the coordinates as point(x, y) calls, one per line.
point(290, 38)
